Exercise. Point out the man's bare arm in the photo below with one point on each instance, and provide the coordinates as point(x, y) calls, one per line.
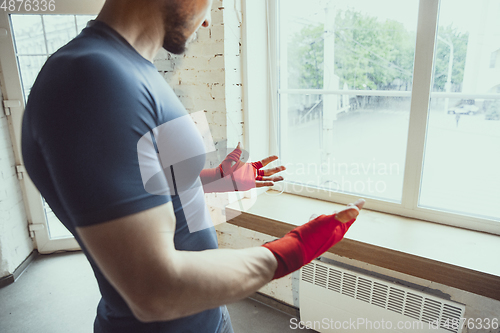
point(136, 254)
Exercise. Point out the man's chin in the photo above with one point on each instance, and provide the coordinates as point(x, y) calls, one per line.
point(175, 49)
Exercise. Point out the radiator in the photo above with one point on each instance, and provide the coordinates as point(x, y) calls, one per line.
point(334, 299)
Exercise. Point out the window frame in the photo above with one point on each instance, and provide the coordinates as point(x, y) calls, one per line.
point(14, 104)
point(421, 94)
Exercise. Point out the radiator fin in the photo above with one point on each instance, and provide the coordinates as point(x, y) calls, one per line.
point(396, 300)
point(308, 273)
point(379, 296)
point(349, 285)
point(431, 311)
point(450, 316)
point(335, 280)
point(321, 276)
point(413, 306)
point(364, 289)
point(402, 300)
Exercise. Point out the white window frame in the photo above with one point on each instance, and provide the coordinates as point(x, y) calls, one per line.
point(13, 101)
point(420, 99)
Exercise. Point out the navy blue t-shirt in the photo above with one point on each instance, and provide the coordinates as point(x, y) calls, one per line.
point(92, 102)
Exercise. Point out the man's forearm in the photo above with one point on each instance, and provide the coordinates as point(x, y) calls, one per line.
point(203, 280)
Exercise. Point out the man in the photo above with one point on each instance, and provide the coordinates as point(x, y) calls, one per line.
point(90, 107)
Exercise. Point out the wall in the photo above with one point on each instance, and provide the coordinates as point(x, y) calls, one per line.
point(208, 77)
point(15, 242)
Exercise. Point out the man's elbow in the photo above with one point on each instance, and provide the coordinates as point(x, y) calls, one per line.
point(154, 310)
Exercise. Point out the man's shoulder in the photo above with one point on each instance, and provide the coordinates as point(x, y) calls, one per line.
point(85, 56)
point(88, 65)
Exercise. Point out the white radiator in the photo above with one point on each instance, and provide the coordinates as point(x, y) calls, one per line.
point(334, 299)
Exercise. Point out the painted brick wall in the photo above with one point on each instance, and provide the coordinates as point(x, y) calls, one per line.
point(208, 77)
point(15, 243)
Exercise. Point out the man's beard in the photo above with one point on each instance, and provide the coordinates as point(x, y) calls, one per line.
point(175, 42)
point(176, 24)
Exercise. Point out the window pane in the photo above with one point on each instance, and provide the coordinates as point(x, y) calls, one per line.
point(28, 34)
point(32, 33)
point(359, 44)
point(462, 159)
point(59, 30)
point(367, 144)
point(347, 142)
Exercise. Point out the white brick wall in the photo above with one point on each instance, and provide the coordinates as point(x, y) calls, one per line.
point(208, 77)
point(15, 243)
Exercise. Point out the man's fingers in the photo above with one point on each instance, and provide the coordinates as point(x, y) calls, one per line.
point(360, 203)
point(347, 214)
point(268, 160)
point(264, 184)
point(268, 181)
point(270, 172)
point(272, 179)
point(350, 212)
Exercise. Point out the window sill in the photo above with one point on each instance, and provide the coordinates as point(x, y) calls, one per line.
point(451, 256)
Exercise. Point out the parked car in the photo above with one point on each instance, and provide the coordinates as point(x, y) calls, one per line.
point(464, 107)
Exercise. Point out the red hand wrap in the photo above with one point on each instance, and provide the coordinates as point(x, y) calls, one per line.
point(301, 245)
point(231, 175)
point(257, 165)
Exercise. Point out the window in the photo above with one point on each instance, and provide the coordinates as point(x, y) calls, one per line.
point(30, 38)
point(364, 110)
point(36, 37)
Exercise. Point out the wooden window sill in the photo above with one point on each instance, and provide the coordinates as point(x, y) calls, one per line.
point(455, 257)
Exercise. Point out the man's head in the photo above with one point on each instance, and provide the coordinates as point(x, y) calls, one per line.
point(148, 25)
point(182, 18)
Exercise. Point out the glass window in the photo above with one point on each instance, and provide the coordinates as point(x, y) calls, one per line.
point(462, 154)
point(36, 37)
point(346, 71)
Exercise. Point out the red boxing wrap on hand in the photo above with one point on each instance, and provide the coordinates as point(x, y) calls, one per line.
point(307, 242)
point(229, 177)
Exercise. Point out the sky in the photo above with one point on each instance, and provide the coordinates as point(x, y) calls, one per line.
point(458, 12)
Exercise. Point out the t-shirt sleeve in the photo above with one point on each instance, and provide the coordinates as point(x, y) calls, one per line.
point(90, 117)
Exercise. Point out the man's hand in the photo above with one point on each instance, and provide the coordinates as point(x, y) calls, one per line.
point(234, 175)
point(264, 177)
point(301, 245)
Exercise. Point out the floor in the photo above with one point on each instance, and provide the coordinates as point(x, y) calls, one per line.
point(58, 293)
